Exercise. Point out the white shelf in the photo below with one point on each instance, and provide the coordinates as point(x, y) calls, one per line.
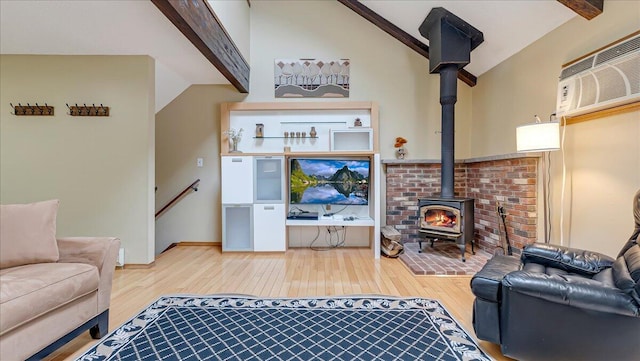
point(352, 139)
point(329, 221)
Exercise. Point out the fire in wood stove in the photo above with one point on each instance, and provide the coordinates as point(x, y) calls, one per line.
point(440, 217)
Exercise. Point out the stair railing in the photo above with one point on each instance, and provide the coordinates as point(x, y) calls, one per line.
point(193, 186)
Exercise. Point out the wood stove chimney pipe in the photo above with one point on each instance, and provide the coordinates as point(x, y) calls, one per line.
point(451, 41)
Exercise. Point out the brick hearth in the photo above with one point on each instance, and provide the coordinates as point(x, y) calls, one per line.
point(510, 180)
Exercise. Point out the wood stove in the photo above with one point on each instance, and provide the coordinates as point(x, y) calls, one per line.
point(451, 41)
point(448, 219)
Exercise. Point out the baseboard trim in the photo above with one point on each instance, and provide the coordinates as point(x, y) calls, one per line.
point(209, 244)
point(139, 265)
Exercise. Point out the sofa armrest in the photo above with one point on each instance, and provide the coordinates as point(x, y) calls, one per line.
point(578, 292)
point(101, 252)
point(567, 259)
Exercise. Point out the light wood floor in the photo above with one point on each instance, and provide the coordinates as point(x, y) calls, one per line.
point(296, 273)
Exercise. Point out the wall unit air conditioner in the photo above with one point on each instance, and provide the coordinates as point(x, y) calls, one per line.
point(608, 78)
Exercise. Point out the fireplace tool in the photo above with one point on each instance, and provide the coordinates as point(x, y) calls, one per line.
point(503, 215)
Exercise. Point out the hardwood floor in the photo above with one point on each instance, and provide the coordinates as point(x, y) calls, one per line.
point(296, 273)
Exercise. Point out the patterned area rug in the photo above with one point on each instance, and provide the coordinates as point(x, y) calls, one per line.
point(235, 327)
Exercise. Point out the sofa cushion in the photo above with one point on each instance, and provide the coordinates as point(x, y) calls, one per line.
point(28, 233)
point(30, 291)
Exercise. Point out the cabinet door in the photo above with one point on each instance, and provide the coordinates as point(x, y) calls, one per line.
point(237, 228)
point(269, 180)
point(237, 179)
point(269, 227)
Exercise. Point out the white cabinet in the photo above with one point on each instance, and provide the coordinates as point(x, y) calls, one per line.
point(237, 179)
point(269, 227)
point(253, 210)
point(237, 227)
point(268, 185)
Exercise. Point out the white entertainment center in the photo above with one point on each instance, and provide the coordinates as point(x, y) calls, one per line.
point(255, 179)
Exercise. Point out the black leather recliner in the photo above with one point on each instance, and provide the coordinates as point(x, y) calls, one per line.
point(559, 303)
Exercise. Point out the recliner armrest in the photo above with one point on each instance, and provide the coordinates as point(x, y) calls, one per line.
point(568, 259)
point(574, 291)
point(486, 282)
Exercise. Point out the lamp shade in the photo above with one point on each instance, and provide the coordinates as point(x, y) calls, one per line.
point(538, 137)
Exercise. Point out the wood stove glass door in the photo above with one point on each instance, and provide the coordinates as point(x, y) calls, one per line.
point(440, 218)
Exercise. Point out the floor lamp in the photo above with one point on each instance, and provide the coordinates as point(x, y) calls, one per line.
point(540, 137)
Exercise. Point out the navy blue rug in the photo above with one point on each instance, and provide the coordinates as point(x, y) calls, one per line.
point(249, 328)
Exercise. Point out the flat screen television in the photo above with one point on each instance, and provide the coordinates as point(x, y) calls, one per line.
point(329, 181)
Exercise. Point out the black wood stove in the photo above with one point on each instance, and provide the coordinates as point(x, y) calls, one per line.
point(449, 219)
point(451, 41)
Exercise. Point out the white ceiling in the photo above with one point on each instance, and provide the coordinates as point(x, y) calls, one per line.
point(110, 27)
point(508, 26)
point(107, 27)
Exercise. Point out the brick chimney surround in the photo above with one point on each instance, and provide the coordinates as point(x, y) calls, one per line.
point(509, 179)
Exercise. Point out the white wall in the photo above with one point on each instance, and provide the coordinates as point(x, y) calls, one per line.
point(101, 168)
point(235, 17)
point(382, 70)
point(602, 155)
point(386, 71)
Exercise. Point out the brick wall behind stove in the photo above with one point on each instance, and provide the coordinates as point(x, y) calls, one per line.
point(511, 182)
point(406, 182)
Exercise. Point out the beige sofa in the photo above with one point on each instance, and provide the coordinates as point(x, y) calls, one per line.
point(51, 290)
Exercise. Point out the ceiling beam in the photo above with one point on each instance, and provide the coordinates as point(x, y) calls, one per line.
point(197, 21)
point(401, 35)
point(588, 9)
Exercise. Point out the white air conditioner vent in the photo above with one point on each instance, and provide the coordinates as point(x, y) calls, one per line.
point(609, 78)
point(618, 50)
point(578, 67)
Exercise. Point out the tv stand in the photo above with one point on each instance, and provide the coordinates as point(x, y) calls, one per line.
point(331, 221)
point(272, 224)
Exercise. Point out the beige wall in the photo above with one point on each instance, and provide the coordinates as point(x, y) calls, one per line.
point(188, 128)
point(602, 156)
point(603, 173)
point(101, 168)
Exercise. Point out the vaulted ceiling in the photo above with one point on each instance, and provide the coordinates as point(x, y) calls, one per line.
point(140, 28)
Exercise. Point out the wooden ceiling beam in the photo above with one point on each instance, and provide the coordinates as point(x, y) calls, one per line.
point(197, 21)
point(588, 9)
point(401, 35)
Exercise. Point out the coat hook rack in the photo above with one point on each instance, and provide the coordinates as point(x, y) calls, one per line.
point(29, 109)
point(85, 110)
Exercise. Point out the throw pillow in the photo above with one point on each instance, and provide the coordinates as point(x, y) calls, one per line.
point(28, 233)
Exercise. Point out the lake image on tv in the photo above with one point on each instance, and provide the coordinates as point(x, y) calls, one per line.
point(324, 181)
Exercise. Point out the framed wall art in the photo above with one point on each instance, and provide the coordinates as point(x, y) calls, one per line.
point(311, 78)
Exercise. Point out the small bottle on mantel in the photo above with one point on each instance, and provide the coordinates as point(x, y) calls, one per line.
point(313, 133)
